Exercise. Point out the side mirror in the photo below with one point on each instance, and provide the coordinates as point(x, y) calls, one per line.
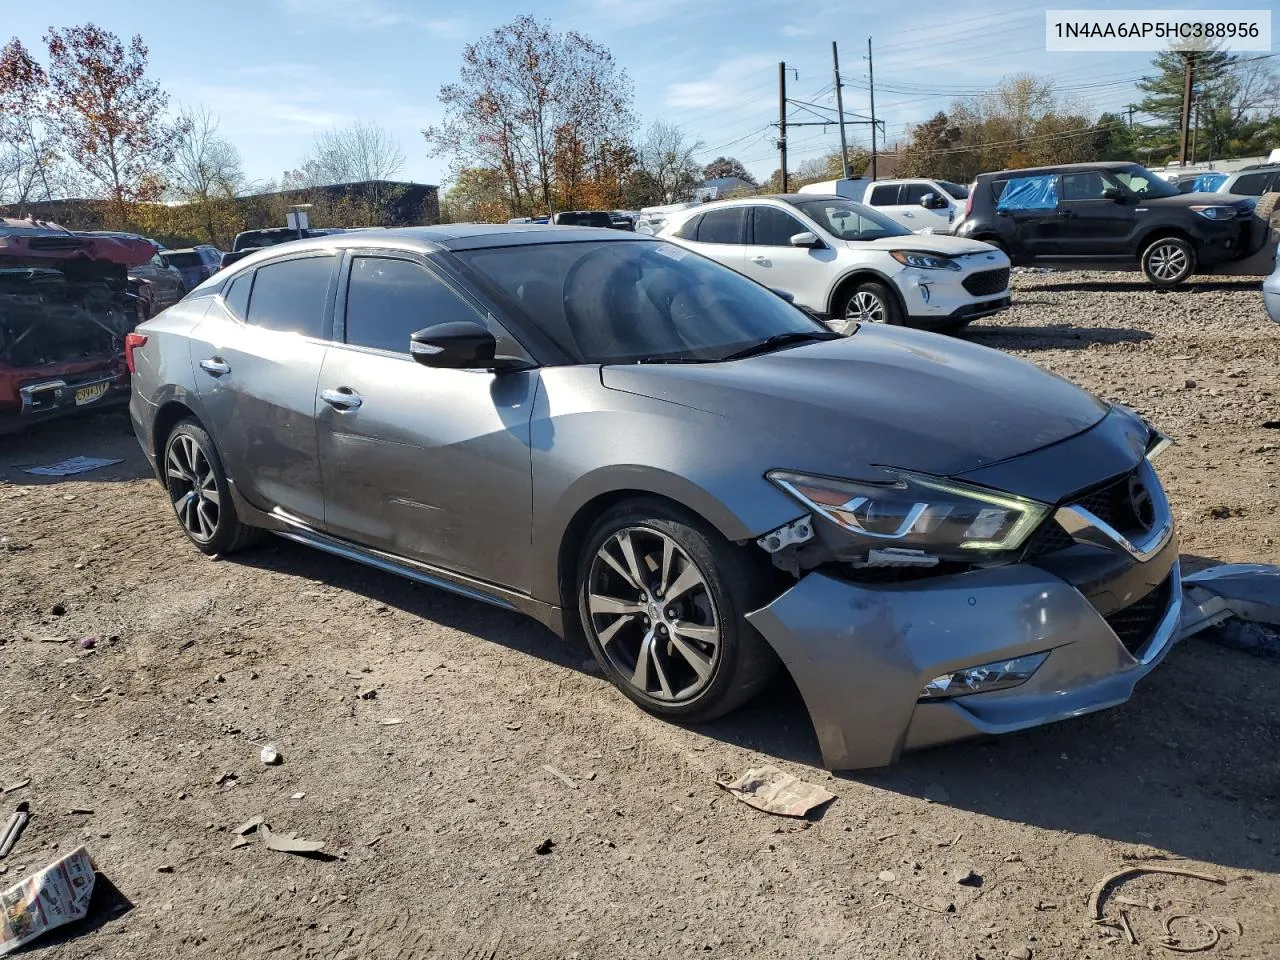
point(1113, 193)
point(928, 201)
point(806, 239)
point(456, 345)
point(786, 295)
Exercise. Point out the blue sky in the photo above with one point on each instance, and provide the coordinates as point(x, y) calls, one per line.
point(277, 71)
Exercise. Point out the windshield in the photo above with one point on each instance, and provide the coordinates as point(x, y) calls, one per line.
point(849, 221)
point(638, 301)
point(1144, 183)
point(956, 190)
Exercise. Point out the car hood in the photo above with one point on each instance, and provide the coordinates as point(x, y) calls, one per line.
point(1189, 199)
point(883, 397)
point(928, 242)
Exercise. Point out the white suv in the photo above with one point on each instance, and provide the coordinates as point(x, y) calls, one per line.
point(847, 261)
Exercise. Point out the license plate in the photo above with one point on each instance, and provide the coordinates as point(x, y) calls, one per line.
point(89, 394)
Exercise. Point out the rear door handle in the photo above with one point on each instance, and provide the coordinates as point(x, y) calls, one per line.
point(343, 399)
point(1066, 214)
point(215, 366)
point(763, 261)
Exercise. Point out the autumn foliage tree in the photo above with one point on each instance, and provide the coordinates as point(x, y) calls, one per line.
point(544, 109)
point(108, 114)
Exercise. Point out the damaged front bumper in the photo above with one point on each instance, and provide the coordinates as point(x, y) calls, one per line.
point(862, 654)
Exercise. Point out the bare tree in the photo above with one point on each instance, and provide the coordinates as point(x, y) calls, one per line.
point(356, 153)
point(666, 157)
point(205, 166)
point(29, 164)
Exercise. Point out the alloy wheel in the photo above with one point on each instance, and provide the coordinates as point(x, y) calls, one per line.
point(193, 487)
point(866, 307)
point(1167, 261)
point(653, 615)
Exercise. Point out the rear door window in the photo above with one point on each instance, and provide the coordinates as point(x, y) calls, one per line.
point(722, 226)
point(1251, 184)
point(885, 196)
point(1090, 185)
point(291, 295)
point(1028, 193)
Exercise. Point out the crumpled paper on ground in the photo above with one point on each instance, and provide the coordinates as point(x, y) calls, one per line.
point(57, 895)
point(771, 790)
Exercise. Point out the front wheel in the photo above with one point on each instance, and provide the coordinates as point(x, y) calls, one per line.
point(663, 598)
point(871, 302)
point(198, 489)
point(1168, 261)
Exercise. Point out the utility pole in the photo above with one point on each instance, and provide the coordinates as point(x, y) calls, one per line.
point(844, 145)
point(1130, 108)
point(782, 122)
point(1188, 60)
point(871, 75)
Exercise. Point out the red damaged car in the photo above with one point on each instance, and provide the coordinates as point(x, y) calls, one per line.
point(66, 308)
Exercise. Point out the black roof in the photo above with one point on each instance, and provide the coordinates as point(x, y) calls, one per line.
point(1060, 168)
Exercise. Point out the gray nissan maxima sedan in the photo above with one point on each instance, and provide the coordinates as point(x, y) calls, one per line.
point(630, 442)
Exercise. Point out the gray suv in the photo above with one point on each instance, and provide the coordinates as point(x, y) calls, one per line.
point(640, 447)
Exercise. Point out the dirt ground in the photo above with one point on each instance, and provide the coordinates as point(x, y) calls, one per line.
point(432, 826)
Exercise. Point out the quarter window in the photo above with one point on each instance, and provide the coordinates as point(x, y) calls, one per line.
point(722, 226)
point(237, 296)
point(387, 300)
point(774, 228)
point(290, 296)
point(687, 230)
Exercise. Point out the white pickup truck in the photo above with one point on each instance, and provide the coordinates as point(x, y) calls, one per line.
point(919, 205)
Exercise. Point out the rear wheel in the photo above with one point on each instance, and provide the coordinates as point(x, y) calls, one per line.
point(198, 489)
point(1168, 261)
point(662, 599)
point(871, 302)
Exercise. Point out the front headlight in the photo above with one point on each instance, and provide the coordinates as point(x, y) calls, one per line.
point(925, 261)
point(1214, 212)
point(939, 517)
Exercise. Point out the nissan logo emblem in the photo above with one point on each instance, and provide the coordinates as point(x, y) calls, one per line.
point(1144, 508)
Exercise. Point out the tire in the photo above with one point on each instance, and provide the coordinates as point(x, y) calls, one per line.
point(199, 493)
point(725, 586)
point(871, 302)
point(1168, 261)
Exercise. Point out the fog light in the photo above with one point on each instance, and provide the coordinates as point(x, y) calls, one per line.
point(983, 679)
point(924, 292)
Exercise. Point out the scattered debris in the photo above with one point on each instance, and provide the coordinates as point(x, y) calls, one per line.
point(13, 829)
point(968, 878)
point(514, 726)
point(936, 793)
point(390, 721)
point(1043, 905)
point(58, 609)
point(545, 847)
point(249, 826)
point(1099, 888)
point(561, 776)
point(69, 468)
point(57, 895)
point(15, 786)
point(1171, 942)
point(80, 811)
point(298, 796)
point(950, 907)
point(228, 779)
point(270, 755)
point(888, 876)
point(88, 643)
point(1229, 925)
point(287, 844)
point(1128, 930)
point(952, 842)
point(239, 842)
point(771, 790)
point(1019, 953)
point(369, 694)
point(167, 868)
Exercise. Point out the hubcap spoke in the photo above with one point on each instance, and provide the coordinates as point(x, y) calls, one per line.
point(621, 570)
point(663, 683)
point(640, 677)
point(609, 632)
point(175, 468)
point(629, 554)
point(600, 604)
point(668, 555)
point(696, 658)
point(688, 579)
point(692, 631)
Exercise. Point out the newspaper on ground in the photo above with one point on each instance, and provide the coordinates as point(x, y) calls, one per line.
point(771, 790)
point(69, 468)
point(55, 896)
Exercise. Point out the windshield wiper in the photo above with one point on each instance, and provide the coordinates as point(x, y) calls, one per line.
point(779, 340)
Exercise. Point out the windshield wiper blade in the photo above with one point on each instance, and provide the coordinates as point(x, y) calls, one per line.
point(779, 340)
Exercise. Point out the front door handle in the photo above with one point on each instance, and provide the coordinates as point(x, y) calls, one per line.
point(342, 399)
point(1066, 214)
point(215, 366)
point(763, 261)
